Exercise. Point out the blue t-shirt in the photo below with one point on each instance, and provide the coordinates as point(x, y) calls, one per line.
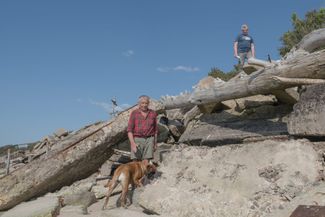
point(244, 43)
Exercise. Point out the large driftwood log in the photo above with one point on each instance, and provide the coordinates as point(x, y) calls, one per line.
point(300, 71)
point(74, 158)
point(312, 41)
point(300, 67)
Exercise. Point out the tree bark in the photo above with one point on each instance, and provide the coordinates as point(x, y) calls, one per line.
point(312, 41)
point(300, 71)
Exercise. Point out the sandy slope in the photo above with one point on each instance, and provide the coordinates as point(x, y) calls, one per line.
point(253, 179)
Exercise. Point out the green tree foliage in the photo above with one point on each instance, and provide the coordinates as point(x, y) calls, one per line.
point(301, 27)
point(217, 73)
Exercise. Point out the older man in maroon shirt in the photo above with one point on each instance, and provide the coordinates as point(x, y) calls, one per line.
point(142, 131)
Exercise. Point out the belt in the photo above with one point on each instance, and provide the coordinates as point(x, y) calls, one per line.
point(144, 137)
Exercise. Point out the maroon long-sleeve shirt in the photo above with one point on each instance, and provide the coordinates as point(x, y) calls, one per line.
point(142, 126)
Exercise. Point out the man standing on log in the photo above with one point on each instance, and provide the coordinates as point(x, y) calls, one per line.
point(142, 131)
point(244, 45)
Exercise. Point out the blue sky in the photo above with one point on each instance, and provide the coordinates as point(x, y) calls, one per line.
point(62, 61)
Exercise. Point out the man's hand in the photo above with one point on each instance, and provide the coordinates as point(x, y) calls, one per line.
point(155, 147)
point(133, 147)
point(155, 142)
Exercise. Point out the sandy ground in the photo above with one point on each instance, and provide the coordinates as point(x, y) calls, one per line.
point(113, 208)
point(262, 179)
point(254, 179)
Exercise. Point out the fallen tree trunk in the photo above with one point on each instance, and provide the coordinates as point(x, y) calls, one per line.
point(300, 71)
point(299, 68)
point(79, 156)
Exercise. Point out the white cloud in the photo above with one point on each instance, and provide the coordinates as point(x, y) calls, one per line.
point(163, 69)
point(186, 68)
point(128, 53)
point(178, 68)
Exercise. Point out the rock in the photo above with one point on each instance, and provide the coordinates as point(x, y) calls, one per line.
point(313, 195)
point(271, 173)
point(105, 169)
point(47, 206)
point(124, 146)
point(72, 211)
point(95, 210)
point(171, 140)
point(76, 188)
point(307, 118)
point(83, 199)
point(121, 212)
point(162, 151)
point(233, 127)
point(61, 132)
point(100, 191)
point(162, 129)
point(191, 114)
point(2, 172)
point(176, 128)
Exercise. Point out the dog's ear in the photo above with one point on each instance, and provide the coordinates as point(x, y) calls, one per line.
point(151, 168)
point(153, 163)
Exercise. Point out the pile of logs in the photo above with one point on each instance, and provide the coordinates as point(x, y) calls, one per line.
point(16, 159)
point(304, 65)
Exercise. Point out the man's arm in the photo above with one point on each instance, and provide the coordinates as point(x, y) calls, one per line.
point(130, 132)
point(235, 49)
point(253, 50)
point(155, 142)
point(155, 136)
point(132, 142)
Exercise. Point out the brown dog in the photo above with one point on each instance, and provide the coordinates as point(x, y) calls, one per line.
point(126, 174)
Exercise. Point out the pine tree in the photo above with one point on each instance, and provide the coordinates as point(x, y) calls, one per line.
point(313, 20)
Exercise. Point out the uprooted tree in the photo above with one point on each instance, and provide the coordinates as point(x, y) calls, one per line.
point(303, 65)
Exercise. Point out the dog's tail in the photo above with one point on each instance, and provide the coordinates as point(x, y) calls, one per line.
point(111, 185)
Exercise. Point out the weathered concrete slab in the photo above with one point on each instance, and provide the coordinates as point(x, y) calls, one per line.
point(308, 116)
point(229, 127)
point(76, 157)
point(47, 206)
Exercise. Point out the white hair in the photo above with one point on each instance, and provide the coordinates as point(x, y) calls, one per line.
point(143, 97)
